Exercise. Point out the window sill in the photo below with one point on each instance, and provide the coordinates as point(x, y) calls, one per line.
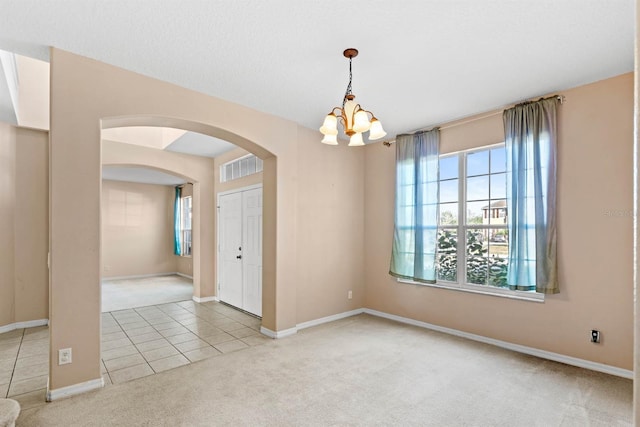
point(483, 290)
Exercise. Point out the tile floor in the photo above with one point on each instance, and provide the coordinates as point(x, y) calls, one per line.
point(24, 361)
point(135, 343)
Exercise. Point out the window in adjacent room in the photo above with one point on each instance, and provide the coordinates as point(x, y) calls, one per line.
point(185, 229)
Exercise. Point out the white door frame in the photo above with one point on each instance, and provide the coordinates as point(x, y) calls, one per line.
point(224, 193)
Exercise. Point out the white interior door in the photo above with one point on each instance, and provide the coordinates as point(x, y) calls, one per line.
point(252, 250)
point(230, 241)
point(240, 239)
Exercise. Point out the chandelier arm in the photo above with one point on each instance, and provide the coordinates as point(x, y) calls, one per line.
point(366, 111)
point(343, 121)
point(333, 111)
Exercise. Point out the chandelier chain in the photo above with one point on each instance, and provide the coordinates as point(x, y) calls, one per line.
point(348, 91)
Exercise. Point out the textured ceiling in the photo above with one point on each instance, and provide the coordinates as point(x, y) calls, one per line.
point(420, 63)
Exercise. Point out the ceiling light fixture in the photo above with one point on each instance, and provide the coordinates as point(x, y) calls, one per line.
point(354, 118)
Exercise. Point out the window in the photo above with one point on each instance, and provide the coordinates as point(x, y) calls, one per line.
point(244, 166)
point(185, 226)
point(473, 241)
point(473, 238)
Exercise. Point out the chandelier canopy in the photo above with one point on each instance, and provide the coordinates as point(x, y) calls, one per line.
point(355, 119)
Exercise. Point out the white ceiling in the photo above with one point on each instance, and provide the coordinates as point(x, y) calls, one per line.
point(421, 62)
point(141, 175)
point(198, 144)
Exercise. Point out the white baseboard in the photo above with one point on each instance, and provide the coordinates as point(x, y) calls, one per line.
point(141, 276)
point(278, 334)
point(205, 299)
point(331, 318)
point(184, 275)
point(292, 331)
point(20, 325)
point(74, 389)
point(556, 357)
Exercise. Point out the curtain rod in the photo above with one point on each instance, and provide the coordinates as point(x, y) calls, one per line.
point(469, 119)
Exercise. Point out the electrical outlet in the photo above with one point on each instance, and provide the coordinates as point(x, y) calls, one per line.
point(595, 336)
point(64, 356)
point(349, 294)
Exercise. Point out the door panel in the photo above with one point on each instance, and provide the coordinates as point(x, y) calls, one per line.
point(230, 241)
point(252, 250)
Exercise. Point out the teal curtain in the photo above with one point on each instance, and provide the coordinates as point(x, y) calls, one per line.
point(177, 223)
point(530, 140)
point(415, 237)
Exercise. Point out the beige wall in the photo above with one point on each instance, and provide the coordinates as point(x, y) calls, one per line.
point(330, 228)
point(137, 229)
point(85, 93)
point(184, 265)
point(24, 230)
point(636, 197)
point(7, 229)
point(595, 260)
point(32, 225)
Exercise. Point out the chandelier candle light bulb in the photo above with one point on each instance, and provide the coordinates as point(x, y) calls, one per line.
point(355, 119)
point(356, 140)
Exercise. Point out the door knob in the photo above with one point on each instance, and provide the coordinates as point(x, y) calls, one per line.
point(239, 257)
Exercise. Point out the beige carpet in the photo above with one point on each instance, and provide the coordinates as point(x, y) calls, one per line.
point(358, 371)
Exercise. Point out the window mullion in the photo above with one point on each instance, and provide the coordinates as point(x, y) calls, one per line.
point(462, 187)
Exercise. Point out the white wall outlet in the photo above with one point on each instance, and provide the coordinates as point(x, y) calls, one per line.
point(349, 294)
point(64, 356)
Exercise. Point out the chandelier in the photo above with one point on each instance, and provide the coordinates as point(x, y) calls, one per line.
point(355, 119)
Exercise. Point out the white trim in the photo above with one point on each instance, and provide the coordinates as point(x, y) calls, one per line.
point(184, 275)
point(327, 319)
point(292, 331)
point(140, 276)
point(574, 361)
point(20, 325)
point(278, 334)
point(74, 389)
point(237, 190)
point(205, 299)
point(481, 290)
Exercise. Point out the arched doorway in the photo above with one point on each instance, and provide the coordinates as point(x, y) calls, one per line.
point(146, 234)
point(98, 96)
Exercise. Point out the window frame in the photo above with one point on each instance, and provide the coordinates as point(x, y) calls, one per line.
point(237, 165)
point(461, 230)
point(184, 230)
